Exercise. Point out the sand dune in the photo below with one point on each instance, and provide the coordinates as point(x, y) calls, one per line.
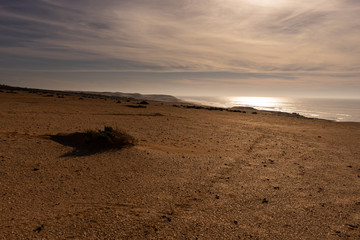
point(193, 174)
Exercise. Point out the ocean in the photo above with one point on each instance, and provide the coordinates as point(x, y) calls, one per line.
point(340, 110)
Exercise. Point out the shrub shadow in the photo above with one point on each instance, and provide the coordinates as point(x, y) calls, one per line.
point(92, 142)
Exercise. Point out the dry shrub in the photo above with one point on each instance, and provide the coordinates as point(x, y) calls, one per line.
point(91, 141)
point(108, 139)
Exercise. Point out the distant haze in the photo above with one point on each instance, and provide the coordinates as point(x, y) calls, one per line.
point(308, 48)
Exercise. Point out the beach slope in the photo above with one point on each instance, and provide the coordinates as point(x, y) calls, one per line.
point(192, 174)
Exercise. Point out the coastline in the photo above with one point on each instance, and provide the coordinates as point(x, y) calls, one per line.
point(158, 98)
point(245, 109)
point(194, 172)
point(346, 110)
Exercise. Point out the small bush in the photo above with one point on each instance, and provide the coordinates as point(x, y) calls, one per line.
point(109, 138)
point(90, 142)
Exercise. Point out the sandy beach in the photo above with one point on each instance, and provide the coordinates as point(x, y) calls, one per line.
point(193, 174)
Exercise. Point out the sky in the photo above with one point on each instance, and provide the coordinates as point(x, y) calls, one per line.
point(287, 48)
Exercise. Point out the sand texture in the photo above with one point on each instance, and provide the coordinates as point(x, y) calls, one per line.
point(193, 174)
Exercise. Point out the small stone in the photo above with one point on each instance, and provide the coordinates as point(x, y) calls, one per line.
point(265, 200)
point(38, 229)
point(167, 218)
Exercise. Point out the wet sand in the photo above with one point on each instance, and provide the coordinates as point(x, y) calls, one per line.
point(194, 173)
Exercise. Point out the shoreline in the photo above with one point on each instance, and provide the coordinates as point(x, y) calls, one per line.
point(140, 97)
point(308, 114)
point(244, 108)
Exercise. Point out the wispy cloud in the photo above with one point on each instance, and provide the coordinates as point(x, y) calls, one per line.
point(241, 36)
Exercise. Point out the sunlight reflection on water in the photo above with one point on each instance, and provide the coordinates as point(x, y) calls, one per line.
point(262, 103)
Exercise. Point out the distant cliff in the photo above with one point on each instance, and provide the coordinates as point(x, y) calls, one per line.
point(154, 97)
point(151, 97)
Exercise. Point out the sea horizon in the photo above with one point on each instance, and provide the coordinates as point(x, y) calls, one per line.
point(335, 109)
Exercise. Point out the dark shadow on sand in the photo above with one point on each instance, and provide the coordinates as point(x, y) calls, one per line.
point(92, 142)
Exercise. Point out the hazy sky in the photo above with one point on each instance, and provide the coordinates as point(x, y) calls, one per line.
point(183, 47)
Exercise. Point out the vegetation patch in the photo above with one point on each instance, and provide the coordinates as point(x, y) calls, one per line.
point(90, 142)
point(136, 106)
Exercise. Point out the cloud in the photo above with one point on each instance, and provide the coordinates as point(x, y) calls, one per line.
point(282, 39)
point(187, 35)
